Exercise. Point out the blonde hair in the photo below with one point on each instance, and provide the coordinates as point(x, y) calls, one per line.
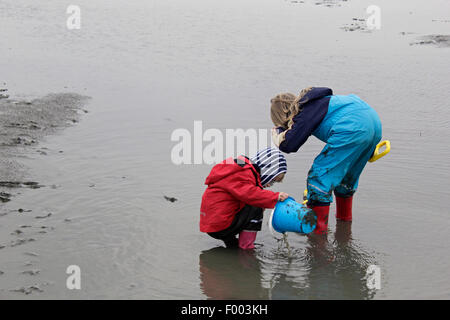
point(285, 106)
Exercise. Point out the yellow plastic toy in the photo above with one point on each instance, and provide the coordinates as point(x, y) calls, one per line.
point(305, 197)
point(376, 154)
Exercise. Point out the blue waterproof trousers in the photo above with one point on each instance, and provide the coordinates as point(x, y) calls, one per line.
point(351, 130)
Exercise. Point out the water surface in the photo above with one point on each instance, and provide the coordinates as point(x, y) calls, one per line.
point(150, 67)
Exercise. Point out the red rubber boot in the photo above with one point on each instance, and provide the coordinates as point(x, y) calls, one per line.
point(344, 208)
point(322, 219)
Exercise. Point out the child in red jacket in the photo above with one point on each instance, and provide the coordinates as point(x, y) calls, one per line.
point(235, 198)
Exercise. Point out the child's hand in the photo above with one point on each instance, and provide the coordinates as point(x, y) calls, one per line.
point(282, 196)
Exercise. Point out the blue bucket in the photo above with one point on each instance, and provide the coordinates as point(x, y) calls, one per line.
point(291, 216)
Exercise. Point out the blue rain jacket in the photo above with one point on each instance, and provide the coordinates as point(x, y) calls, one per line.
point(351, 130)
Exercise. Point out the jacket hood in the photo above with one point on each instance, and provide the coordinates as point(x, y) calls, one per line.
point(316, 93)
point(229, 167)
point(271, 163)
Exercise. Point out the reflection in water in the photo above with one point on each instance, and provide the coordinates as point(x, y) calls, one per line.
point(231, 274)
point(336, 270)
point(325, 269)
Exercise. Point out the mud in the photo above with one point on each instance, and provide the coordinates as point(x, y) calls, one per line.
point(324, 3)
point(310, 218)
point(45, 216)
point(30, 289)
point(19, 184)
point(357, 24)
point(20, 242)
point(31, 272)
point(437, 40)
point(330, 3)
point(5, 197)
point(170, 199)
point(23, 124)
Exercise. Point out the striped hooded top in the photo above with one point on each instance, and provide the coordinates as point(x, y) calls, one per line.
point(271, 162)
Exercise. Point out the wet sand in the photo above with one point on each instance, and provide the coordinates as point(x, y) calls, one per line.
point(26, 122)
point(99, 190)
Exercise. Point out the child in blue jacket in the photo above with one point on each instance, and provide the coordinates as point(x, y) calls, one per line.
point(351, 130)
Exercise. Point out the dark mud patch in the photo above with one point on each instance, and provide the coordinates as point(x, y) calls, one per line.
point(20, 242)
point(170, 199)
point(437, 40)
point(20, 184)
point(29, 289)
point(357, 24)
point(5, 197)
point(17, 232)
point(310, 218)
point(44, 216)
point(3, 94)
point(324, 3)
point(20, 210)
point(23, 124)
point(330, 3)
point(31, 272)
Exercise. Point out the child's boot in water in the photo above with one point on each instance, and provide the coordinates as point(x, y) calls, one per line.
point(322, 218)
point(247, 239)
point(344, 208)
point(231, 242)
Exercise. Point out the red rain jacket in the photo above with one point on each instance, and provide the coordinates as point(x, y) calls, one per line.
point(230, 187)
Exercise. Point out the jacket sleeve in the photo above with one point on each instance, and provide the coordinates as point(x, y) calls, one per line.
point(244, 189)
point(304, 124)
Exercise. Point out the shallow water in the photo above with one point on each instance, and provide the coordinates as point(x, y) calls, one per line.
point(154, 66)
